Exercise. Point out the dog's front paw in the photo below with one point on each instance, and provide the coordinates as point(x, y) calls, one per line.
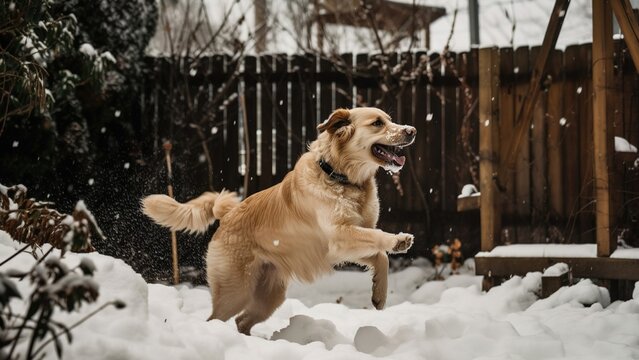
point(404, 242)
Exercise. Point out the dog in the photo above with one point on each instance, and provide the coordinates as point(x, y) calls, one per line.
point(323, 213)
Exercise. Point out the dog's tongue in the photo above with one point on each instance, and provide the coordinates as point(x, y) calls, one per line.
point(399, 160)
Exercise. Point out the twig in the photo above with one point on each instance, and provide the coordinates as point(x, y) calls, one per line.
point(116, 303)
point(14, 255)
point(174, 251)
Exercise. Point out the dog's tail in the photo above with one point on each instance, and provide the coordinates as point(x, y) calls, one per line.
point(195, 215)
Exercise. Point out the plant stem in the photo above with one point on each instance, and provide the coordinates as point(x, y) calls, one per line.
point(79, 322)
point(14, 255)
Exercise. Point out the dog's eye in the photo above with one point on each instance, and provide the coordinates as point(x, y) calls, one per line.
point(378, 123)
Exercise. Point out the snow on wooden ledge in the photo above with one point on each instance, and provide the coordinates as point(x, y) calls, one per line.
point(630, 253)
point(542, 250)
point(556, 251)
point(623, 145)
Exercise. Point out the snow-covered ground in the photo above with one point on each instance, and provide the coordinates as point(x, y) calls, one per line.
point(449, 319)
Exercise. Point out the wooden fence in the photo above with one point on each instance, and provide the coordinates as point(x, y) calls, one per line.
point(285, 98)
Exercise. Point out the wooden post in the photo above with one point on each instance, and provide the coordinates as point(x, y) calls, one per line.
point(489, 209)
point(174, 252)
point(602, 73)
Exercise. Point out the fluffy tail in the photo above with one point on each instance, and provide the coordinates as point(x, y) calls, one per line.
point(195, 215)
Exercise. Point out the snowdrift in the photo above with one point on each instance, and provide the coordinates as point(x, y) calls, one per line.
point(333, 319)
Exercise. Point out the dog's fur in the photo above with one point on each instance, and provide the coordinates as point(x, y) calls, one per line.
point(300, 227)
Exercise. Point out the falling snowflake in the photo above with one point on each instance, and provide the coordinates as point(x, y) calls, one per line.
point(91, 181)
point(429, 117)
point(487, 122)
point(117, 113)
point(562, 121)
point(214, 130)
point(15, 144)
point(126, 165)
point(579, 89)
point(276, 242)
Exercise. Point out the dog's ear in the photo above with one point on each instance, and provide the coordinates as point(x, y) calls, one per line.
point(339, 118)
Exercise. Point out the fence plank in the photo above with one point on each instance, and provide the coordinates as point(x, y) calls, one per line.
point(267, 108)
point(421, 118)
point(556, 122)
point(217, 127)
point(507, 115)
point(296, 66)
point(405, 116)
point(326, 105)
point(451, 189)
point(522, 173)
point(231, 145)
point(584, 101)
point(343, 85)
point(434, 129)
point(281, 117)
point(310, 100)
point(250, 100)
point(571, 143)
point(538, 171)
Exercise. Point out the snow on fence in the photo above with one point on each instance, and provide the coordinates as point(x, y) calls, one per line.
point(287, 96)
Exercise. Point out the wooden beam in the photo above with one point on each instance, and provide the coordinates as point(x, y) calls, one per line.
point(490, 201)
point(524, 116)
point(594, 268)
point(602, 73)
point(629, 27)
point(550, 284)
point(468, 203)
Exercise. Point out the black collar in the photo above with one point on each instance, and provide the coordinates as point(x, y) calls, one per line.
point(340, 178)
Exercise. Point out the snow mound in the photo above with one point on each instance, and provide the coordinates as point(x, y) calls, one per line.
point(584, 293)
point(623, 145)
point(304, 330)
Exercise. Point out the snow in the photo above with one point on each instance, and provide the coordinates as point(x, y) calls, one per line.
point(88, 50)
point(622, 145)
point(557, 269)
point(496, 20)
point(451, 319)
point(542, 250)
point(628, 253)
point(556, 250)
point(468, 190)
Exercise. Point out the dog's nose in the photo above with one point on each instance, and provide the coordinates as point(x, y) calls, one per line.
point(410, 131)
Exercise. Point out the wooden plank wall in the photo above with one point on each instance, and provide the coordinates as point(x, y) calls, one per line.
point(549, 200)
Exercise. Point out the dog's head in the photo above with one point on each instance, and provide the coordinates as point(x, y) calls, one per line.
point(366, 137)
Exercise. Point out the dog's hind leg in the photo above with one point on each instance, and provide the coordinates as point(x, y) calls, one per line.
point(228, 300)
point(230, 289)
point(269, 292)
point(379, 265)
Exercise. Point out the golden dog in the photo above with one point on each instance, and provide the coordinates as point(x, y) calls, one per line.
point(323, 213)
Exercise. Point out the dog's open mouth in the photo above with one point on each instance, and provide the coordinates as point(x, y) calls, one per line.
point(388, 154)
